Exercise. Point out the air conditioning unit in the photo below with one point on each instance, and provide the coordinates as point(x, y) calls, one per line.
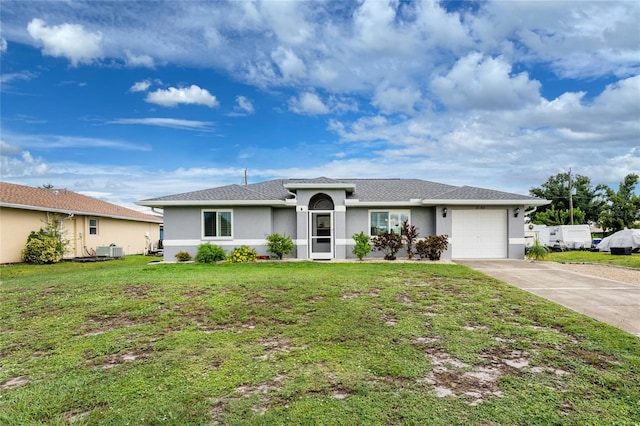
point(109, 251)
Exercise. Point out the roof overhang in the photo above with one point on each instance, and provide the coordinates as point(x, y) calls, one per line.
point(77, 212)
point(485, 202)
point(187, 203)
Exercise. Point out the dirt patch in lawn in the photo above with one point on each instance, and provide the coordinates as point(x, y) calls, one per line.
point(452, 377)
point(246, 391)
point(275, 346)
point(15, 382)
point(97, 325)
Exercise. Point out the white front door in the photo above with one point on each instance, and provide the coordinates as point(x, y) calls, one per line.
point(321, 234)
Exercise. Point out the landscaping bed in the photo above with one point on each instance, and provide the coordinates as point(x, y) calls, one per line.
point(301, 343)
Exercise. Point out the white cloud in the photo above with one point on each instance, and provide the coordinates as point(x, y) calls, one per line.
point(140, 86)
point(23, 165)
point(192, 95)
point(138, 60)
point(3, 45)
point(14, 76)
point(166, 122)
point(70, 41)
point(389, 99)
point(288, 20)
point(8, 149)
point(475, 82)
point(243, 105)
point(308, 103)
point(291, 66)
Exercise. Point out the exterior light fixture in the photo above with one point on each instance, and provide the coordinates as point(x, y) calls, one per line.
point(516, 212)
point(444, 212)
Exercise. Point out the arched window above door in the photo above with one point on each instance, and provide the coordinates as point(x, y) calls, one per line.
point(321, 202)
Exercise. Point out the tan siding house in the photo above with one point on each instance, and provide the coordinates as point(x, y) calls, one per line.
point(87, 222)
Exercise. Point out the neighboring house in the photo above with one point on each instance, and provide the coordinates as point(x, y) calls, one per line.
point(322, 214)
point(87, 222)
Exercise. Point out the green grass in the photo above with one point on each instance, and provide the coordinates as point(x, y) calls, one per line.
point(274, 343)
point(579, 256)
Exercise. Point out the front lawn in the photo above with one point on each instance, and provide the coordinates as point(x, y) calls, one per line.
point(301, 343)
point(578, 256)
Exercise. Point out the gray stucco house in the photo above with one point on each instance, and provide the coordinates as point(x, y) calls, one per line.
point(322, 214)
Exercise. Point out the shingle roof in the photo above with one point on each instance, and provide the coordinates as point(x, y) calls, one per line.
point(62, 200)
point(366, 190)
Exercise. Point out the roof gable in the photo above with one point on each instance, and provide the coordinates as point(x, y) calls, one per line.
point(65, 201)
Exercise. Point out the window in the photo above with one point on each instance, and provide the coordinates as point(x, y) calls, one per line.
point(387, 221)
point(93, 226)
point(216, 223)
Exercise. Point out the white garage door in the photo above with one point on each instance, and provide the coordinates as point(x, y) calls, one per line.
point(479, 234)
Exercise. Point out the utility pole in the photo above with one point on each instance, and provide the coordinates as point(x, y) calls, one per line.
point(570, 199)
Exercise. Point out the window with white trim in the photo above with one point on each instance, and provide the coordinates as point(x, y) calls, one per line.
point(382, 221)
point(216, 223)
point(93, 226)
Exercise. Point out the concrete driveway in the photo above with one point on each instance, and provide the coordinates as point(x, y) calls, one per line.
point(612, 302)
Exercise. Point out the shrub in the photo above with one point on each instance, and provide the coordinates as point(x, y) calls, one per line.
point(389, 243)
point(183, 256)
point(432, 246)
point(279, 245)
point(48, 245)
point(210, 253)
point(41, 248)
point(537, 251)
point(362, 247)
point(243, 254)
point(410, 234)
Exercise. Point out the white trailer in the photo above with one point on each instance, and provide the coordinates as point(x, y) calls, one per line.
point(570, 237)
point(562, 237)
point(535, 232)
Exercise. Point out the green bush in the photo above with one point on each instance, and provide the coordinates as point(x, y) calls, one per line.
point(48, 245)
point(362, 247)
point(537, 251)
point(279, 245)
point(210, 253)
point(41, 248)
point(183, 256)
point(243, 254)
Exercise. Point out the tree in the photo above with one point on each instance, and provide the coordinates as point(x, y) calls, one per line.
point(556, 189)
point(553, 217)
point(622, 208)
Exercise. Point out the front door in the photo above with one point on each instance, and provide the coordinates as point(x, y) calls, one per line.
point(321, 235)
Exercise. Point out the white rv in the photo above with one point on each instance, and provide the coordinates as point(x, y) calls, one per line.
point(562, 237)
point(535, 232)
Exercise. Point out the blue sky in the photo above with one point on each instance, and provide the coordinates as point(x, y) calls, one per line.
point(131, 100)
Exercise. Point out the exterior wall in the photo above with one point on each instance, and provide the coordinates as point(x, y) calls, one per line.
point(358, 220)
point(15, 227)
point(132, 236)
point(284, 223)
point(250, 226)
point(516, 233)
point(17, 224)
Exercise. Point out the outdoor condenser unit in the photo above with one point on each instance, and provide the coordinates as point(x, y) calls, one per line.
point(109, 251)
